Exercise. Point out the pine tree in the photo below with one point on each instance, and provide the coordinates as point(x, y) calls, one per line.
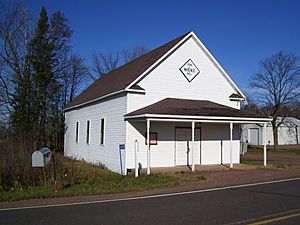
point(45, 86)
point(40, 89)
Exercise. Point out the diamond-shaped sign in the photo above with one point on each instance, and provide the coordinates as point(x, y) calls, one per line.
point(189, 70)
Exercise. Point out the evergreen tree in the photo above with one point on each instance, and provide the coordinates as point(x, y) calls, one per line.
point(49, 77)
point(45, 86)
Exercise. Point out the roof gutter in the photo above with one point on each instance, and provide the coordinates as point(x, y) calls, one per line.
point(94, 100)
point(197, 117)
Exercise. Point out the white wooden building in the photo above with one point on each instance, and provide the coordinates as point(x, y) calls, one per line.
point(288, 133)
point(177, 95)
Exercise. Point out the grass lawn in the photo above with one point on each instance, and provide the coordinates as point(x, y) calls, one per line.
point(285, 158)
point(287, 151)
point(78, 178)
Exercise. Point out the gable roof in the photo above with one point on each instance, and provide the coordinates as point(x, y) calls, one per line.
point(126, 77)
point(120, 78)
point(187, 107)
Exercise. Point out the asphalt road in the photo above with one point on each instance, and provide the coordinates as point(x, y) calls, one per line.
point(276, 203)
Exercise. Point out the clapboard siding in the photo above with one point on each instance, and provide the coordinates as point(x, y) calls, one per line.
point(113, 111)
point(215, 144)
point(214, 141)
point(167, 81)
point(162, 154)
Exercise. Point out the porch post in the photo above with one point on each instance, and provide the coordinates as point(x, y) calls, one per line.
point(231, 128)
point(136, 171)
point(193, 141)
point(265, 144)
point(148, 146)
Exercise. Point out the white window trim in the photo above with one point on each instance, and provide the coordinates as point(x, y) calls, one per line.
point(104, 130)
point(77, 136)
point(90, 125)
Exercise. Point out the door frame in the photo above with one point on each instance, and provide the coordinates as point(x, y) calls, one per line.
point(190, 128)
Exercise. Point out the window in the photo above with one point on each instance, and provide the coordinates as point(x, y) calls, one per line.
point(88, 132)
point(77, 132)
point(102, 130)
point(153, 138)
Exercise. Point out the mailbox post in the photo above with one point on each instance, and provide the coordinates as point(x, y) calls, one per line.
point(42, 158)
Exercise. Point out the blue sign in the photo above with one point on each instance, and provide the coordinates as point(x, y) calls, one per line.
point(122, 146)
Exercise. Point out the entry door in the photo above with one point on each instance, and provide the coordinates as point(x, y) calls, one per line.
point(253, 140)
point(183, 146)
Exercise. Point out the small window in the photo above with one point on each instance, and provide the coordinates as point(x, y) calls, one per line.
point(102, 130)
point(77, 132)
point(88, 132)
point(153, 138)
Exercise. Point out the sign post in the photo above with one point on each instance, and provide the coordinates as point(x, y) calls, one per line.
point(121, 148)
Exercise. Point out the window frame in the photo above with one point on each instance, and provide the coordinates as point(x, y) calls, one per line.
point(102, 131)
point(153, 136)
point(88, 132)
point(77, 132)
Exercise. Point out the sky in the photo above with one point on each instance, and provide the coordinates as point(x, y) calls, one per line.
point(238, 33)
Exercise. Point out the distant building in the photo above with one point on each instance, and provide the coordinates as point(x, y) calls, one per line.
point(288, 133)
point(160, 96)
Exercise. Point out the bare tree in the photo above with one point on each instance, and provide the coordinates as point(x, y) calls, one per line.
point(15, 33)
point(250, 105)
point(133, 53)
point(277, 85)
point(76, 76)
point(103, 63)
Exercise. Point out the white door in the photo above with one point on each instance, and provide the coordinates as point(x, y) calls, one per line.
point(183, 146)
point(253, 139)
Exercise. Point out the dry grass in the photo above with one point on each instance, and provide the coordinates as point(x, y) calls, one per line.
point(77, 178)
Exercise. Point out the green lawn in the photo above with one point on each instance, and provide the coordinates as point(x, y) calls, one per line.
point(78, 178)
point(287, 151)
point(284, 158)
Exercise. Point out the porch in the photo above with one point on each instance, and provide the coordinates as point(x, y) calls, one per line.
point(178, 132)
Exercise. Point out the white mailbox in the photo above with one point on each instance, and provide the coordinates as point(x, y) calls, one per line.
point(41, 157)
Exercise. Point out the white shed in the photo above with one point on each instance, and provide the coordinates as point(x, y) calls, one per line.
point(288, 133)
point(177, 95)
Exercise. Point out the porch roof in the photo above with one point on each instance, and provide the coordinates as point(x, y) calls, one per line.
point(193, 109)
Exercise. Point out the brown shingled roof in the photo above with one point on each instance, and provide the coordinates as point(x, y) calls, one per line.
point(121, 77)
point(234, 95)
point(186, 107)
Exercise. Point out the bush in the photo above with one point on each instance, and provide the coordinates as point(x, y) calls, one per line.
point(16, 171)
point(15, 167)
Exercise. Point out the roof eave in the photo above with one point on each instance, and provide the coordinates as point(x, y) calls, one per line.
point(205, 49)
point(236, 99)
point(159, 60)
point(218, 65)
point(190, 117)
point(134, 90)
point(93, 100)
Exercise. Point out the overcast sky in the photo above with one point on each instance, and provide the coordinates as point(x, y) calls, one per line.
point(238, 33)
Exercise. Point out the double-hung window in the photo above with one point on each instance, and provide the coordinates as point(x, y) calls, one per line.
point(88, 124)
point(102, 131)
point(77, 132)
